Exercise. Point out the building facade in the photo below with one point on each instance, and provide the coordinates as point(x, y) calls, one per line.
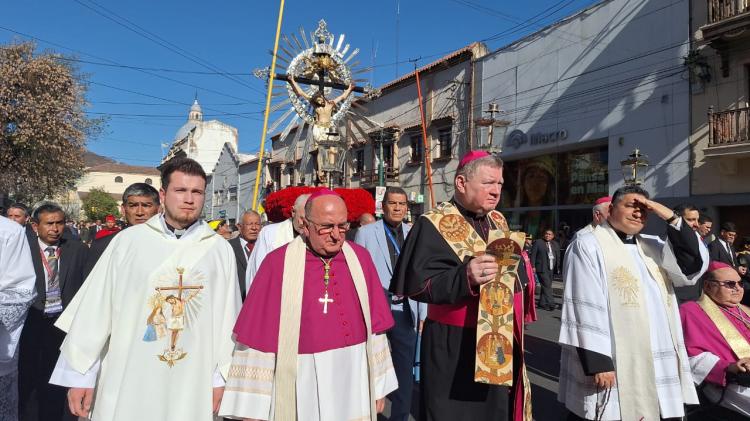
point(719, 65)
point(111, 177)
point(201, 140)
point(578, 97)
point(229, 187)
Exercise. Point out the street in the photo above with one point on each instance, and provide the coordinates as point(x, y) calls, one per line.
point(542, 365)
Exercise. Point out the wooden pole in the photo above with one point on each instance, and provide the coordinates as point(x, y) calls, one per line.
point(428, 167)
point(268, 106)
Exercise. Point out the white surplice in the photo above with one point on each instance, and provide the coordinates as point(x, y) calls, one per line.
point(734, 396)
point(585, 323)
point(17, 292)
point(322, 380)
point(270, 238)
point(125, 315)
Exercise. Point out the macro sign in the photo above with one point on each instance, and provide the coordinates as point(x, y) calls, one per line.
point(518, 138)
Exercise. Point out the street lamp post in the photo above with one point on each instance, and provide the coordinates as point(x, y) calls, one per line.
point(491, 123)
point(631, 167)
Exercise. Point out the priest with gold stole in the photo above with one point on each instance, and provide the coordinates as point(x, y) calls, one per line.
point(310, 342)
point(463, 261)
point(623, 355)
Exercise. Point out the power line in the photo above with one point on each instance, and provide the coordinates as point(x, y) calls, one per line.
point(34, 38)
point(135, 28)
point(158, 69)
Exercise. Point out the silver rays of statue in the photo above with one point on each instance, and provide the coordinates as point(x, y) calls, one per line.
point(318, 86)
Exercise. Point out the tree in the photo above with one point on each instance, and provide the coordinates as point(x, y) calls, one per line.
point(99, 204)
point(43, 126)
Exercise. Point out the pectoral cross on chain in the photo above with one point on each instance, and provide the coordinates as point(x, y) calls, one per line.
point(325, 300)
point(326, 279)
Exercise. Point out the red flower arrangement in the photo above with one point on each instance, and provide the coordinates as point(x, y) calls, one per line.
point(279, 204)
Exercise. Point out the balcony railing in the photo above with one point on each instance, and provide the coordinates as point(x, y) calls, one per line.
point(371, 177)
point(728, 127)
point(719, 10)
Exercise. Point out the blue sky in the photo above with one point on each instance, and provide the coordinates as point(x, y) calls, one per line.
point(144, 85)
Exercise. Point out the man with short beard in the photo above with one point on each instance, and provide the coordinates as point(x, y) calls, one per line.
point(151, 327)
point(140, 202)
point(623, 356)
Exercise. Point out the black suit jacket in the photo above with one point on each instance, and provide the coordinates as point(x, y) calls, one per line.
point(72, 262)
point(95, 252)
point(539, 258)
point(716, 251)
point(239, 255)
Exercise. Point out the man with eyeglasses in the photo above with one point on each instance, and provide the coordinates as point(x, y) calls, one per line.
point(244, 243)
point(717, 337)
point(310, 341)
point(274, 236)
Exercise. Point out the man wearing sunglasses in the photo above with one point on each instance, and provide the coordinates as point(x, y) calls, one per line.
point(717, 337)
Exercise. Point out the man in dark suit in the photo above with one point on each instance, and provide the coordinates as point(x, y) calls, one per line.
point(545, 256)
point(58, 264)
point(721, 248)
point(243, 245)
point(140, 202)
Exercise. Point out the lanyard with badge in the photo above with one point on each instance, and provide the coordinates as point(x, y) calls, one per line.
point(394, 299)
point(393, 241)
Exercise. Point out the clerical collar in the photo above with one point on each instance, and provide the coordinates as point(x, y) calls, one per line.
point(177, 231)
point(625, 238)
point(467, 213)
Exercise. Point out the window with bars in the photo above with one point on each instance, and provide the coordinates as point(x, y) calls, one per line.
point(416, 148)
point(359, 161)
point(445, 142)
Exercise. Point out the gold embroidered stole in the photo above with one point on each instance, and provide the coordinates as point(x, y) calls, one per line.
point(494, 352)
point(285, 375)
point(634, 361)
point(728, 330)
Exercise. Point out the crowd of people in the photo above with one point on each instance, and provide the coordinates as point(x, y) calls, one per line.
point(164, 315)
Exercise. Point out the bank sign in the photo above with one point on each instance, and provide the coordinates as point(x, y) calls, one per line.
point(518, 138)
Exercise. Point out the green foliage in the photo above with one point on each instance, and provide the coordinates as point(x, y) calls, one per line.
point(99, 204)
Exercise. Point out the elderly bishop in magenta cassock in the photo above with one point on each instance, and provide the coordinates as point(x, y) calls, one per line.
point(309, 337)
point(463, 261)
point(717, 337)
